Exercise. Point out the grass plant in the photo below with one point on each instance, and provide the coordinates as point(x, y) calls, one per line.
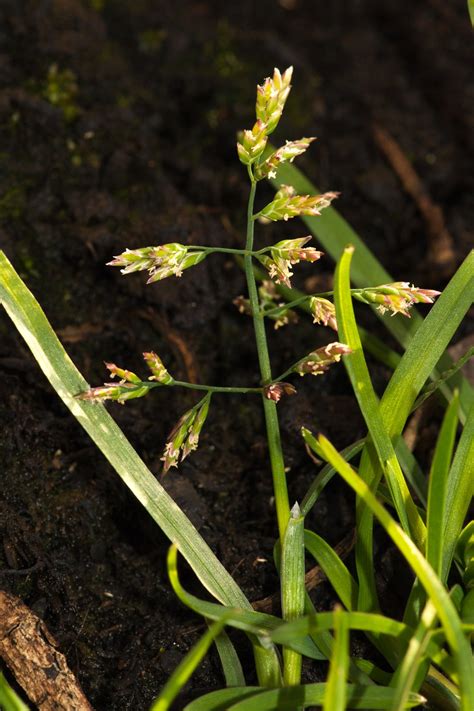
point(427, 653)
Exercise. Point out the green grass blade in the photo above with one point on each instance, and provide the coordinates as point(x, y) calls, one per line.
point(438, 484)
point(335, 694)
point(336, 572)
point(292, 572)
point(290, 698)
point(334, 233)
point(360, 379)
point(459, 493)
point(325, 642)
point(9, 699)
point(230, 662)
point(221, 700)
point(326, 473)
point(412, 664)
point(434, 588)
point(258, 624)
point(61, 372)
point(186, 668)
point(321, 621)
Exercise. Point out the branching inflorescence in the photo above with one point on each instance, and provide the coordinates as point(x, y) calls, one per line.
point(172, 259)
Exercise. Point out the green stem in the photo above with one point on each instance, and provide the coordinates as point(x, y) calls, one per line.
point(195, 386)
point(215, 388)
point(271, 416)
point(229, 250)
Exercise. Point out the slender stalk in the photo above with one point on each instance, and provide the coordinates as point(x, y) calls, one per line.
point(271, 416)
point(195, 386)
point(229, 250)
point(215, 388)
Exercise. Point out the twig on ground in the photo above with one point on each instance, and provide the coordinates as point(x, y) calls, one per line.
point(440, 245)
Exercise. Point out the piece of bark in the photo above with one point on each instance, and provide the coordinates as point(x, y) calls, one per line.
point(30, 652)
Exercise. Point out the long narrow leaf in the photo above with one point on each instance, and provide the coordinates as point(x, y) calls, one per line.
point(291, 698)
point(292, 588)
point(254, 623)
point(368, 402)
point(61, 372)
point(231, 666)
point(336, 572)
point(412, 665)
point(336, 688)
point(437, 490)
point(459, 493)
point(362, 621)
point(433, 586)
point(255, 699)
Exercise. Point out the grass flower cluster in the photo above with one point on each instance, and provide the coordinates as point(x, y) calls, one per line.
point(426, 655)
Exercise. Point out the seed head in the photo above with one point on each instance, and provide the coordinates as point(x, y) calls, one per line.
point(287, 205)
point(184, 437)
point(162, 261)
point(252, 143)
point(159, 372)
point(271, 98)
point(286, 153)
point(284, 255)
point(318, 361)
point(274, 391)
point(397, 297)
point(323, 312)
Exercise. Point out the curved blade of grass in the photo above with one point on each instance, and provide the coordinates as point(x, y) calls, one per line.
point(256, 699)
point(9, 699)
point(326, 473)
point(459, 493)
point(292, 588)
point(336, 571)
point(359, 375)
point(61, 372)
point(334, 233)
point(438, 482)
point(336, 688)
point(412, 665)
point(444, 607)
point(258, 624)
point(410, 467)
point(321, 621)
point(290, 698)
point(186, 668)
point(230, 662)
point(220, 700)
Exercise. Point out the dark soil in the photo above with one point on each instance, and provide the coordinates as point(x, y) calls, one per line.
point(139, 151)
